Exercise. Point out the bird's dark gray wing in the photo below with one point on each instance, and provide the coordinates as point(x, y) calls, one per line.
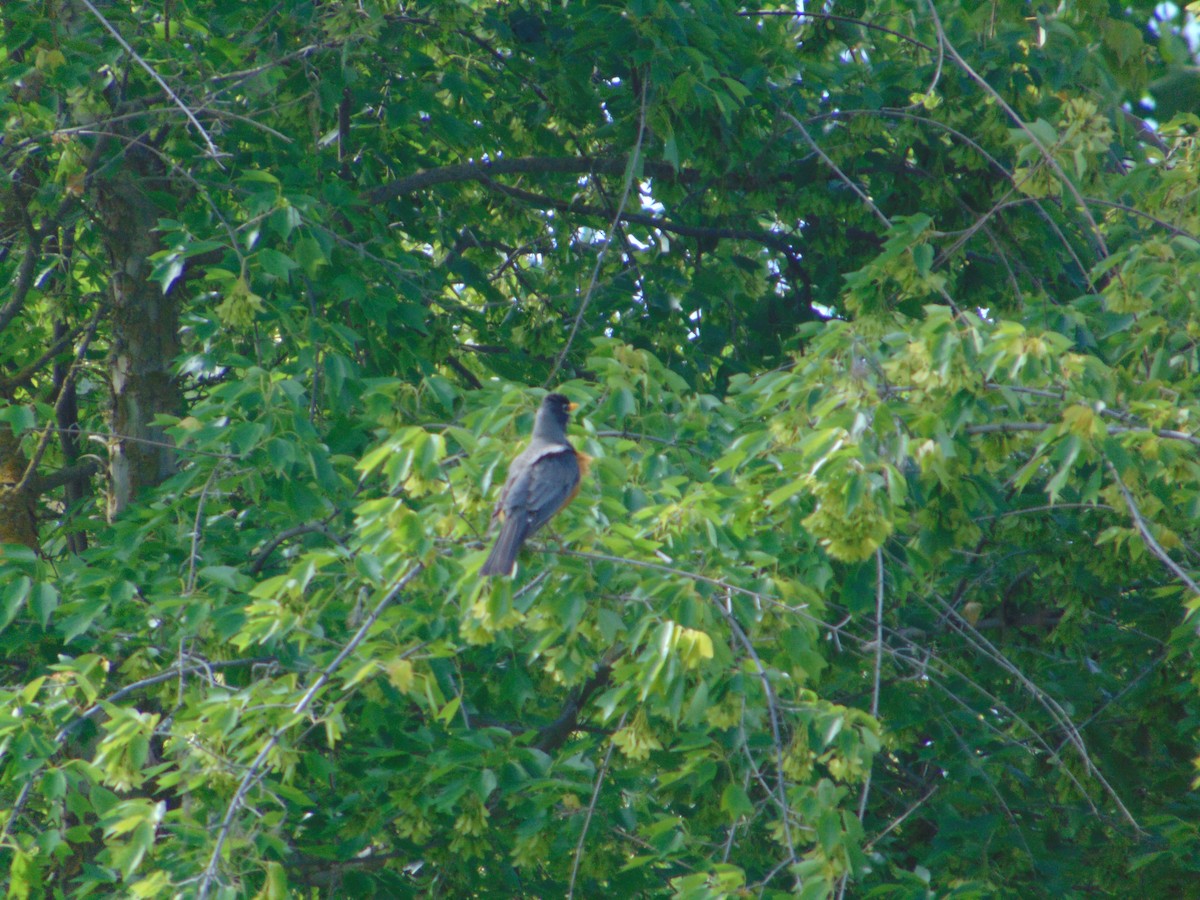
point(551, 481)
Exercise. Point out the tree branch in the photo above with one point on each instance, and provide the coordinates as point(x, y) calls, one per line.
point(849, 20)
point(255, 770)
point(1047, 156)
point(58, 478)
point(212, 148)
point(600, 254)
point(767, 239)
point(115, 697)
point(1143, 528)
point(307, 528)
point(551, 737)
point(528, 165)
point(590, 812)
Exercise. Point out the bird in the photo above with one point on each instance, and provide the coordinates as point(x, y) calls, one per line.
point(542, 479)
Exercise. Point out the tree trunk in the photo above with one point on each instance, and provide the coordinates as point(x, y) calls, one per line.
point(145, 339)
point(18, 522)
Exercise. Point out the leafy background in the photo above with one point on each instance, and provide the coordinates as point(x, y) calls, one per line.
point(883, 324)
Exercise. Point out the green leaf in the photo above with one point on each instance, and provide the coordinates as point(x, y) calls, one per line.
point(735, 802)
point(275, 263)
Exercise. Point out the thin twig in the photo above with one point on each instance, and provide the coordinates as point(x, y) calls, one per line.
point(899, 820)
point(302, 53)
point(587, 821)
point(604, 245)
point(212, 148)
point(1121, 694)
point(635, 436)
point(44, 441)
point(1018, 427)
point(1048, 703)
point(195, 550)
point(1139, 522)
point(96, 708)
point(878, 669)
point(776, 732)
point(859, 192)
point(1047, 156)
point(1045, 507)
point(837, 170)
point(27, 373)
point(793, 13)
point(255, 770)
point(878, 634)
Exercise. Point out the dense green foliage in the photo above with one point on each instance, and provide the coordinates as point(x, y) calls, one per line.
point(883, 322)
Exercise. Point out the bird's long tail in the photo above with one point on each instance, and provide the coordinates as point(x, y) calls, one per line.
point(504, 552)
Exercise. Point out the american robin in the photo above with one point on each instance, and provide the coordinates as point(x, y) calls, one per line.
point(543, 479)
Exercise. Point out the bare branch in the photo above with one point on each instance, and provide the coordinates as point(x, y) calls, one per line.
point(116, 697)
point(1035, 427)
point(878, 640)
point(51, 427)
point(1047, 702)
point(899, 820)
point(878, 669)
point(837, 170)
point(255, 771)
point(607, 242)
point(849, 20)
point(194, 553)
point(1047, 156)
point(587, 821)
point(1143, 528)
point(307, 528)
point(212, 148)
point(776, 732)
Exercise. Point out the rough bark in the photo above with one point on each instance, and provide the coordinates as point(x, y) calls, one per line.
point(18, 521)
point(145, 336)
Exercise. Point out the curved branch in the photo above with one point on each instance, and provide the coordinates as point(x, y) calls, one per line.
point(204, 666)
point(528, 165)
point(1047, 156)
point(849, 20)
point(1143, 528)
point(778, 242)
point(482, 170)
point(600, 254)
point(273, 544)
point(108, 26)
point(255, 771)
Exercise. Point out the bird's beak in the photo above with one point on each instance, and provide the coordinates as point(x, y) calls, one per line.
point(571, 407)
